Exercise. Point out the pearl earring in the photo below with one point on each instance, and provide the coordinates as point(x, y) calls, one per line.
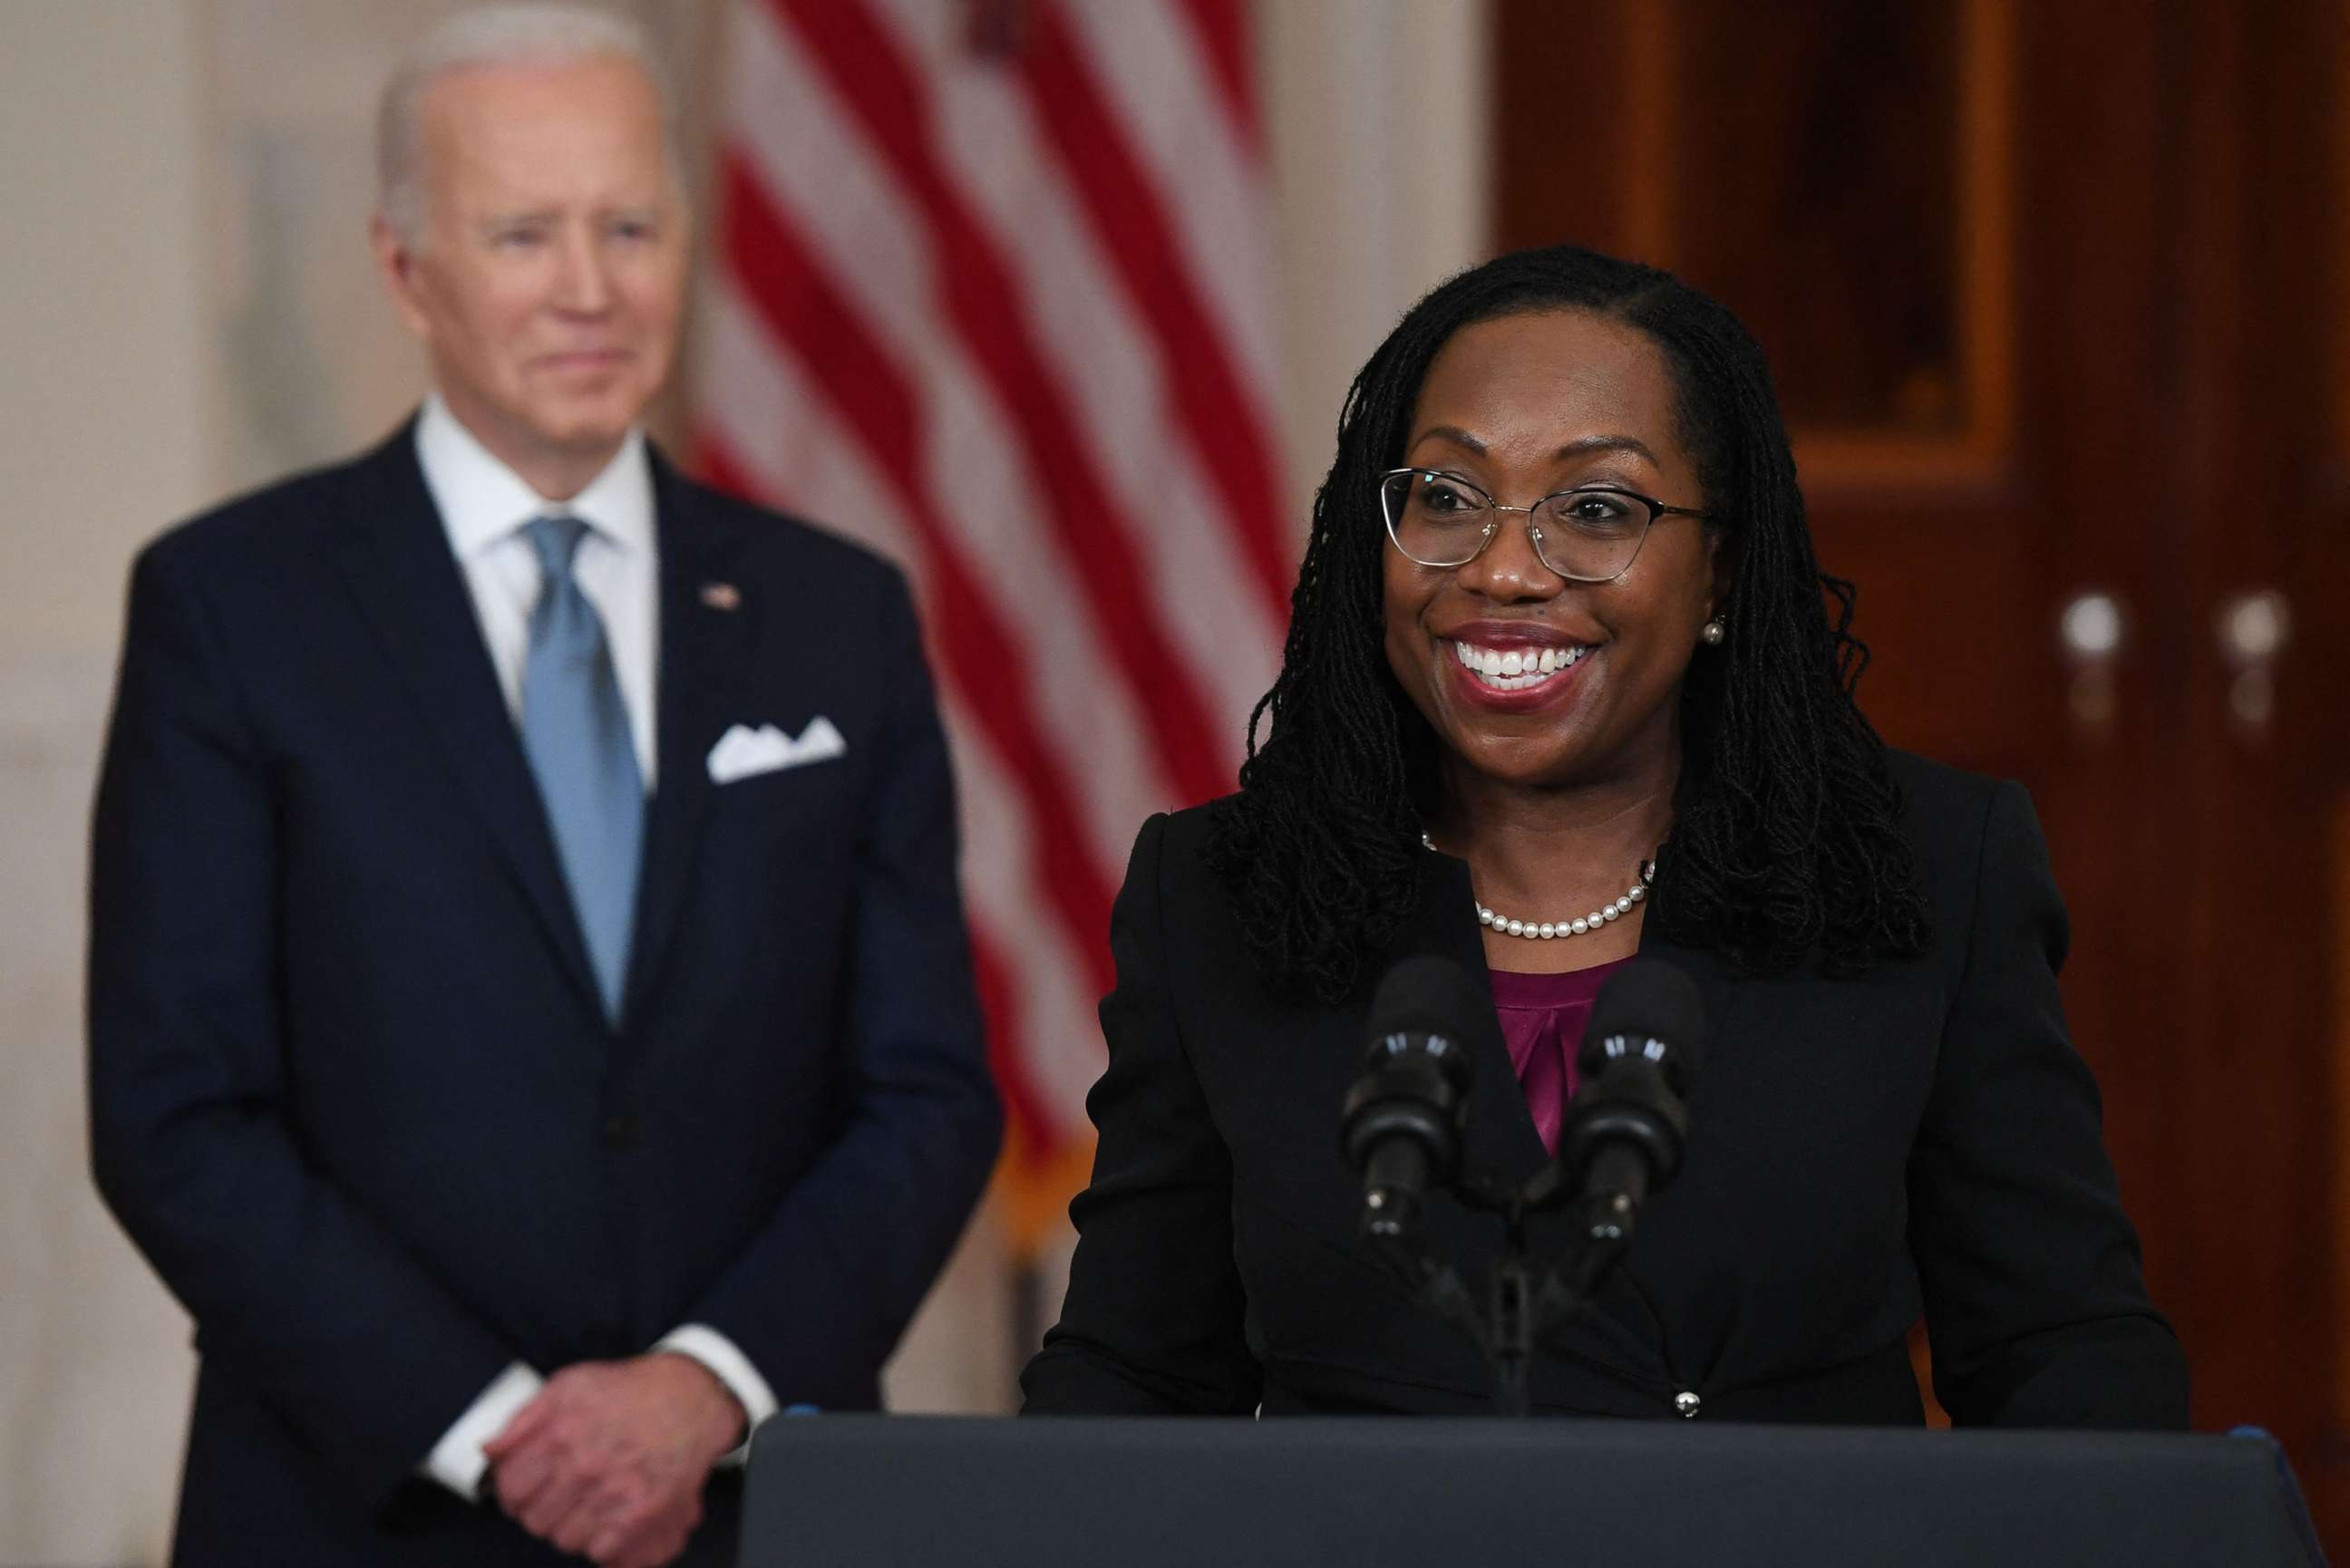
point(1711, 632)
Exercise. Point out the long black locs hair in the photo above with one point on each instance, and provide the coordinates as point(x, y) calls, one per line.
point(1785, 845)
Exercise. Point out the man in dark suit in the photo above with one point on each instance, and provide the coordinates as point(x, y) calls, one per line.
point(531, 1023)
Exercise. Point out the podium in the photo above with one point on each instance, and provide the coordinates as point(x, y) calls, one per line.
point(881, 1492)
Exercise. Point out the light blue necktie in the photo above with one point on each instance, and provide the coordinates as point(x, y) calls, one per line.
point(575, 730)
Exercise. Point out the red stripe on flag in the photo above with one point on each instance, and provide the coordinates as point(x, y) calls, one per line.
point(987, 667)
point(892, 102)
point(1225, 39)
point(999, 1002)
point(1128, 218)
point(720, 470)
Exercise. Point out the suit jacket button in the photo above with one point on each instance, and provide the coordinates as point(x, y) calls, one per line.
point(623, 1132)
point(1687, 1403)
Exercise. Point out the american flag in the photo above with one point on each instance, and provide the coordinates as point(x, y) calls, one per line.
point(992, 292)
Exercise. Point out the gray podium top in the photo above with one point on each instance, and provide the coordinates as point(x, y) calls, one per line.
point(880, 1492)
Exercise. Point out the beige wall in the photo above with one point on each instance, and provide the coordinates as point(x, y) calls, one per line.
point(107, 406)
point(101, 314)
point(186, 309)
point(1377, 114)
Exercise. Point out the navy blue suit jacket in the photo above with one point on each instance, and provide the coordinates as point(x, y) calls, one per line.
point(352, 1093)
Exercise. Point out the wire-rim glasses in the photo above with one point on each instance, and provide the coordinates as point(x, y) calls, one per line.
point(1590, 534)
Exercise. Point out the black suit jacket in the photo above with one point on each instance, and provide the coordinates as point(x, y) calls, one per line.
point(352, 1091)
point(1923, 1136)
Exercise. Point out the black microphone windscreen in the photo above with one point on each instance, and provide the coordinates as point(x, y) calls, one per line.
point(1649, 997)
point(1429, 995)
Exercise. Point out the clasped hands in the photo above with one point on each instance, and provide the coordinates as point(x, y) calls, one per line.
point(609, 1459)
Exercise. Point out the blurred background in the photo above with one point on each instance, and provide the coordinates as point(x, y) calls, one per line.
point(1057, 301)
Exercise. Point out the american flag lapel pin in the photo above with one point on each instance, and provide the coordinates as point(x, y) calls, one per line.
point(722, 596)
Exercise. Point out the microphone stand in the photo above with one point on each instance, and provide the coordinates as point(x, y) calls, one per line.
point(1521, 1309)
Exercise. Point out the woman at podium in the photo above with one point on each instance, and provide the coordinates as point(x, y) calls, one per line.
point(1562, 688)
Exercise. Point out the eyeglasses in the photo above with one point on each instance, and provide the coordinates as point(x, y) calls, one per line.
point(1591, 534)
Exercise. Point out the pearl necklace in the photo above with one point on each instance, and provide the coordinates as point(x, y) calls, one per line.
point(1546, 931)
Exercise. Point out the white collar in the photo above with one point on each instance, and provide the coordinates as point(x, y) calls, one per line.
point(482, 501)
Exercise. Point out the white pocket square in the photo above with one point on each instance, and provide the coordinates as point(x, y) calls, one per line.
point(744, 753)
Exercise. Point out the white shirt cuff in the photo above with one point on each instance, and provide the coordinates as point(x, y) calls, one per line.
point(732, 1368)
point(457, 1461)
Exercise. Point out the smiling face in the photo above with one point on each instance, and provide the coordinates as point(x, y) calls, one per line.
point(549, 276)
point(1527, 678)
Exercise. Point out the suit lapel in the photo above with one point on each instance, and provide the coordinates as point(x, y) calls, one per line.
point(1716, 985)
point(1502, 1136)
point(412, 593)
point(703, 637)
point(1502, 1141)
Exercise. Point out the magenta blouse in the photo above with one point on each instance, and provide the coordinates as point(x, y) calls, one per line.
point(1542, 1020)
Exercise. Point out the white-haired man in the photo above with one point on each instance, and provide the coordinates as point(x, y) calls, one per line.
point(531, 1020)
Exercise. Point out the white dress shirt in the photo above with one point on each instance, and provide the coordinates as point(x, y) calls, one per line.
point(486, 508)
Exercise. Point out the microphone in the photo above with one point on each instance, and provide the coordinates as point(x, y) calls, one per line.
point(1640, 1054)
point(1403, 1122)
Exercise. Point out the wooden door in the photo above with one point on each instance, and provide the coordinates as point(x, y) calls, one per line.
point(2054, 296)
